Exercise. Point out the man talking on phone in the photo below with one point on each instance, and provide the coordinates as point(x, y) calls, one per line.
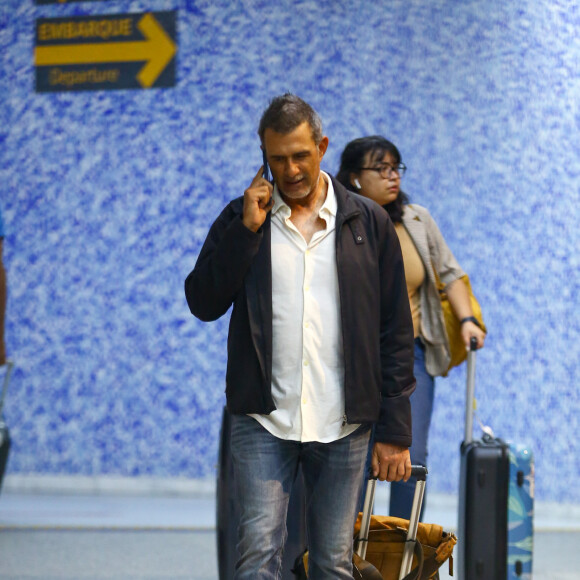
point(320, 345)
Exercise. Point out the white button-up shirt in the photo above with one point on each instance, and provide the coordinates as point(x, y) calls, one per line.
point(307, 358)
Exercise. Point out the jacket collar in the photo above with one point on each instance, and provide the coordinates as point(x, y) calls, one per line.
point(347, 208)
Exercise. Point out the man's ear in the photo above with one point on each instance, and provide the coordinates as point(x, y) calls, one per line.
point(354, 181)
point(322, 147)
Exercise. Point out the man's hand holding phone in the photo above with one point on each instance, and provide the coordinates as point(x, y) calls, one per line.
point(257, 202)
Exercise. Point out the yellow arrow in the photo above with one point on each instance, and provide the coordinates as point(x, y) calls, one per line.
point(157, 49)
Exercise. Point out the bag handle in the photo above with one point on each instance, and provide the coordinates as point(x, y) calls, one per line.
point(470, 391)
point(417, 471)
point(411, 542)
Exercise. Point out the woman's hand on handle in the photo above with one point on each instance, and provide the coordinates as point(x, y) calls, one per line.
point(469, 329)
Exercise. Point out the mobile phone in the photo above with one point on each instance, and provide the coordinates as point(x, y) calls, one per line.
point(266, 170)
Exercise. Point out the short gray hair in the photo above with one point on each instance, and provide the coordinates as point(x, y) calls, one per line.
point(285, 113)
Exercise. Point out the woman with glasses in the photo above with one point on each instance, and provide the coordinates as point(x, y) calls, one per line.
point(372, 167)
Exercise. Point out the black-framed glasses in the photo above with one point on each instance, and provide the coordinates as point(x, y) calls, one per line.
point(385, 170)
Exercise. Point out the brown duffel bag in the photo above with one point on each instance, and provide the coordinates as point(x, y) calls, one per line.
point(386, 543)
point(387, 536)
point(380, 552)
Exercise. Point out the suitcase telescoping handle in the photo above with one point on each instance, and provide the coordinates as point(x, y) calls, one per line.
point(9, 366)
point(470, 391)
point(420, 473)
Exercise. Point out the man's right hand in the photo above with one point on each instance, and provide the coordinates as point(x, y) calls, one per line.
point(257, 202)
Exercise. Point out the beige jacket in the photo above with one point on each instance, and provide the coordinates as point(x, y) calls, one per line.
point(435, 253)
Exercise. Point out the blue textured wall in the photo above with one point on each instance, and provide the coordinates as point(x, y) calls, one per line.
point(107, 197)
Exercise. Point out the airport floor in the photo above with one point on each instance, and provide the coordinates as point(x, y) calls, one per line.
point(112, 536)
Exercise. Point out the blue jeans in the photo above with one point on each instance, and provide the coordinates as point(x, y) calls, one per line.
point(421, 410)
point(265, 468)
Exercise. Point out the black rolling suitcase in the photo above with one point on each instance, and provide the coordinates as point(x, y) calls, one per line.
point(483, 498)
point(227, 513)
point(4, 432)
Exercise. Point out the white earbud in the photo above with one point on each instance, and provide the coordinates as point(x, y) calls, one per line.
point(357, 183)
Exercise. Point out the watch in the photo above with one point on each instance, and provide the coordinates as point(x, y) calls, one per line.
point(470, 319)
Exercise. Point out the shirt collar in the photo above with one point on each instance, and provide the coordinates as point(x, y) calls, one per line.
point(329, 206)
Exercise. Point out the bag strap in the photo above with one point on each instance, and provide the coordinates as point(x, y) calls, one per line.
point(417, 572)
point(443, 553)
point(364, 570)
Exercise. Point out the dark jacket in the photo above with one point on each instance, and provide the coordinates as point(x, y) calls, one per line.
point(234, 266)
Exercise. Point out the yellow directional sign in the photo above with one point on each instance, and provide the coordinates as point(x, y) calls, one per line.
point(120, 51)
